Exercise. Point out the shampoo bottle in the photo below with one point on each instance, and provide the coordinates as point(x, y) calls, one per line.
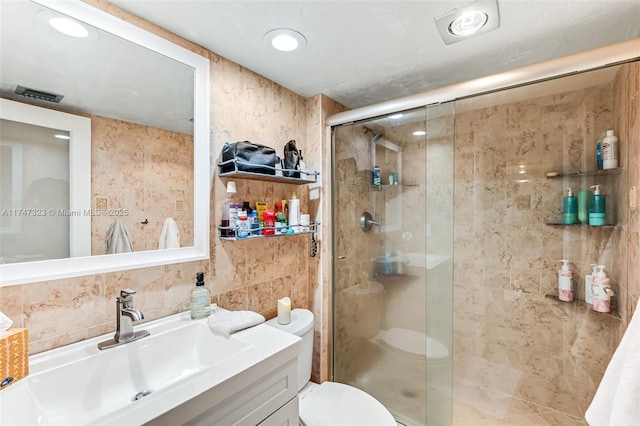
point(294, 212)
point(601, 291)
point(597, 208)
point(610, 151)
point(570, 208)
point(588, 285)
point(200, 301)
point(230, 210)
point(565, 282)
point(584, 197)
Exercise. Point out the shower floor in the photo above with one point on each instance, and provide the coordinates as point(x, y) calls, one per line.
point(472, 404)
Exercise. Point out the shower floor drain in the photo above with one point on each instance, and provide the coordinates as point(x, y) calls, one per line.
point(408, 393)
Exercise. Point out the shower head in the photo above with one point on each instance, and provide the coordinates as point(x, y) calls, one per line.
point(375, 136)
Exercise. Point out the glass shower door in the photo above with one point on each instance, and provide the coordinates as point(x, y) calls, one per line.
point(392, 272)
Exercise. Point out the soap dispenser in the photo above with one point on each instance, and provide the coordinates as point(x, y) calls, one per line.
point(588, 284)
point(200, 300)
point(565, 282)
point(570, 208)
point(601, 291)
point(597, 207)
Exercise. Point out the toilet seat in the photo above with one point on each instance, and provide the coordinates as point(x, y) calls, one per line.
point(335, 404)
point(413, 344)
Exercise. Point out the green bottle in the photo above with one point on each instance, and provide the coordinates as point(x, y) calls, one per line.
point(584, 198)
point(570, 208)
point(597, 208)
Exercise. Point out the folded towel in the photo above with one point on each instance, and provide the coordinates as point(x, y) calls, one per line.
point(225, 323)
point(617, 400)
point(170, 235)
point(118, 240)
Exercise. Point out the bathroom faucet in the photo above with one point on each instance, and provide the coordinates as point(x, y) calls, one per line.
point(126, 314)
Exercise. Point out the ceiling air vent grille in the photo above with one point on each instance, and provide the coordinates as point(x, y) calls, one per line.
point(38, 94)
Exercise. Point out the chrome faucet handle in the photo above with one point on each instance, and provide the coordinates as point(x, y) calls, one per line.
point(126, 292)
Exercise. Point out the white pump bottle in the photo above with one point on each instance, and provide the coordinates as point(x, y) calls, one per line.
point(565, 282)
point(601, 291)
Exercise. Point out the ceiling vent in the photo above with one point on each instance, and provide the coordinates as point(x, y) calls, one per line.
point(38, 94)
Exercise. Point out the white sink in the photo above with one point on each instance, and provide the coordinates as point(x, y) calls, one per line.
point(79, 384)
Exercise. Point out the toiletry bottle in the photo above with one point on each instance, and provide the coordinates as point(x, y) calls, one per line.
point(601, 291)
point(242, 225)
point(584, 196)
point(246, 208)
point(294, 212)
point(269, 218)
point(255, 223)
point(570, 208)
point(599, 164)
point(376, 176)
point(565, 282)
point(200, 305)
point(610, 151)
point(588, 285)
point(302, 166)
point(230, 211)
point(597, 208)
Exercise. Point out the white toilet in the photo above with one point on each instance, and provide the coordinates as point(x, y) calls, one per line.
point(330, 403)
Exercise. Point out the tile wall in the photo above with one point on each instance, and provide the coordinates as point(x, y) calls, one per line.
point(509, 339)
point(241, 275)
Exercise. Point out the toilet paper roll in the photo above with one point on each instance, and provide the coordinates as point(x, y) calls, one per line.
point(284, 310)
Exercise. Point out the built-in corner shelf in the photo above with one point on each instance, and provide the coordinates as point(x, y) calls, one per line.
point(393, 278)
point(582, 304)
point(387, 187)
point(579, 173)
point(233, 167)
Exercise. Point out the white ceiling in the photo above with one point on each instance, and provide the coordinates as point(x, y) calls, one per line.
point(364, 52)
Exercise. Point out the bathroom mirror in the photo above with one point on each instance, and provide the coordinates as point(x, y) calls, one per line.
point(106, 83)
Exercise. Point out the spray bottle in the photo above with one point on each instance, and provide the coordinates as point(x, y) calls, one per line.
point(601, 291)
point(565, 282)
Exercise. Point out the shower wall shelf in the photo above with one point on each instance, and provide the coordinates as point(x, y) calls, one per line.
point(305, 177)
point(582, 304)
point(588, 173)
point(387, 187)
point(584, 225)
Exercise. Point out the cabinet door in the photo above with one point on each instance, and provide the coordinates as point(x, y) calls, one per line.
point(287, 415)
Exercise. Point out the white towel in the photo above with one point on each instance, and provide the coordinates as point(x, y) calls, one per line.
point(617, 400)
point(170, 236)
point(226, 323)
point(118, 240)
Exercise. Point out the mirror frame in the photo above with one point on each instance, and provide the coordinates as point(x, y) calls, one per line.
point(29, 272)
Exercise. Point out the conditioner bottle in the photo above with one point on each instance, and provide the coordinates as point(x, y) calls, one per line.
point(565, 282)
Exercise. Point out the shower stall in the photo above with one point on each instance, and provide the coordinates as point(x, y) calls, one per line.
point(393, 235)
point(447, 231)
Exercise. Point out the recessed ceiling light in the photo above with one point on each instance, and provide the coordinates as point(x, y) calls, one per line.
point(285, 40)
point(68, 27)
point(468, 20)
point(395, 116)
point(419, 133)
point(468, 23)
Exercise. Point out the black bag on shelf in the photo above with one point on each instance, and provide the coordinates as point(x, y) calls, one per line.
point(250, 157)
point(291, 160)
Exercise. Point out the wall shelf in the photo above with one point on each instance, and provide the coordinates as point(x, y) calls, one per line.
point(579, 173)
point(305, 177)
point(582, 304)
point(387, 187)
point(313, 227)
point(584, 225)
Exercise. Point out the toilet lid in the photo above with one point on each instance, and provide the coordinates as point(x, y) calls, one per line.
point(335, 404)
point(413, 343)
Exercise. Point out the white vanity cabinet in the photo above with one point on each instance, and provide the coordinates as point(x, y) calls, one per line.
point(269, 400)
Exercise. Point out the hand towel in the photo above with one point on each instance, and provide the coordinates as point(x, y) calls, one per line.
point(170, 236)
point(225, 323)
point(617, 400)
point(118, 240)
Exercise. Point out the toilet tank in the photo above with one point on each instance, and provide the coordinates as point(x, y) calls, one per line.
point(302, 326)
